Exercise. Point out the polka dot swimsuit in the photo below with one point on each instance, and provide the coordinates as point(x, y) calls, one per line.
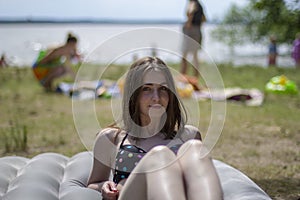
point(128, 157)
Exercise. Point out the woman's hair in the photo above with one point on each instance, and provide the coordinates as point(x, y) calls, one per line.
point(176, 115)
point(71, 38)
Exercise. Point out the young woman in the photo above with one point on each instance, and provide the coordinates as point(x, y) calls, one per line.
point(55, 63)
point(154, 155)
point(192, 36)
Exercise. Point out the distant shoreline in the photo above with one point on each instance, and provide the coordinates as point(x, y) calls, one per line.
point(86, 21)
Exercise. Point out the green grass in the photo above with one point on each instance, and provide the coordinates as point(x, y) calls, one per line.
point(263, 142)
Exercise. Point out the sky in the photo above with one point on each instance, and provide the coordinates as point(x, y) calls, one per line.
point(110, 9)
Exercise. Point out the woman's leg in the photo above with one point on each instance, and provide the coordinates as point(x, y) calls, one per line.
point(196, 63)
point(201, 178)
point(184, 64)
point(53, 74)
point(157, 176)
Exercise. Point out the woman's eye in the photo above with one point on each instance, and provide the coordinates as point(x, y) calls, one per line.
point(163, 88)
point(146, 89)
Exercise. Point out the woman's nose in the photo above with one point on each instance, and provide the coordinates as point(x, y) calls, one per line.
point(155, 94)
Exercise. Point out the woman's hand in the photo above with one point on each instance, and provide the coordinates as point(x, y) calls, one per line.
point(109, 191)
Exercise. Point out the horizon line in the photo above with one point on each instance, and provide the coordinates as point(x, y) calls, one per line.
point(6, 20)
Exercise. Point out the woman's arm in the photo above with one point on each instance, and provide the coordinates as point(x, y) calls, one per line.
point(99, 174)
point(190, 132)
point(52, 55)
point(104, 152)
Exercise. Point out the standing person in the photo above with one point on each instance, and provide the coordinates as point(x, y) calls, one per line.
point(192, 29)
point(272, 51)
point(3, 62)
point(52, 64)
point(296, 50)
point(155, 155)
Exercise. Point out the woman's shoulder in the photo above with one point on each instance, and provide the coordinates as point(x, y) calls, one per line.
point(190, 132)
point(110, 133)
point(107, 140)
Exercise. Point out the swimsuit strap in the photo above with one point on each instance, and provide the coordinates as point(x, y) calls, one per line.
point(124, 138)
point(181, 140)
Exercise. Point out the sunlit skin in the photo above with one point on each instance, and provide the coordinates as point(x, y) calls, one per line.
point(154, 96)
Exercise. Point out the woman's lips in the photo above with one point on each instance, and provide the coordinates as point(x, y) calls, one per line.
point(155, 106)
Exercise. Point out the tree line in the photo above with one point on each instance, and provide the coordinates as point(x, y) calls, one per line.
point(258, 20)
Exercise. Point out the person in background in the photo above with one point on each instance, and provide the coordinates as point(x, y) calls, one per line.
point(52, 64)
point(3, 61)
point(155, 154)
point(296, 50)
point(75, 57)
point(192, 29)
point(272, 52)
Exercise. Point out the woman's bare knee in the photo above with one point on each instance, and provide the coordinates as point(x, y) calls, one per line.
point(156, 158)
point(193, 147)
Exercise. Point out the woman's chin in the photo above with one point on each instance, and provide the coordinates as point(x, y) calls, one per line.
point(156, 111)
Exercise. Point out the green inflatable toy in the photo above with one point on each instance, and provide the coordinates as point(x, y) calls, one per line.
point(281, 85)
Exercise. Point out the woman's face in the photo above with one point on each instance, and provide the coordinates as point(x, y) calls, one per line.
point(154, 97)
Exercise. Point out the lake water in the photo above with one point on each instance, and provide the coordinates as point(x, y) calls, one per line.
point(119, 43)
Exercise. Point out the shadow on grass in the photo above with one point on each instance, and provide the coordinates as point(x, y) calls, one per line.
point(283, 188)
